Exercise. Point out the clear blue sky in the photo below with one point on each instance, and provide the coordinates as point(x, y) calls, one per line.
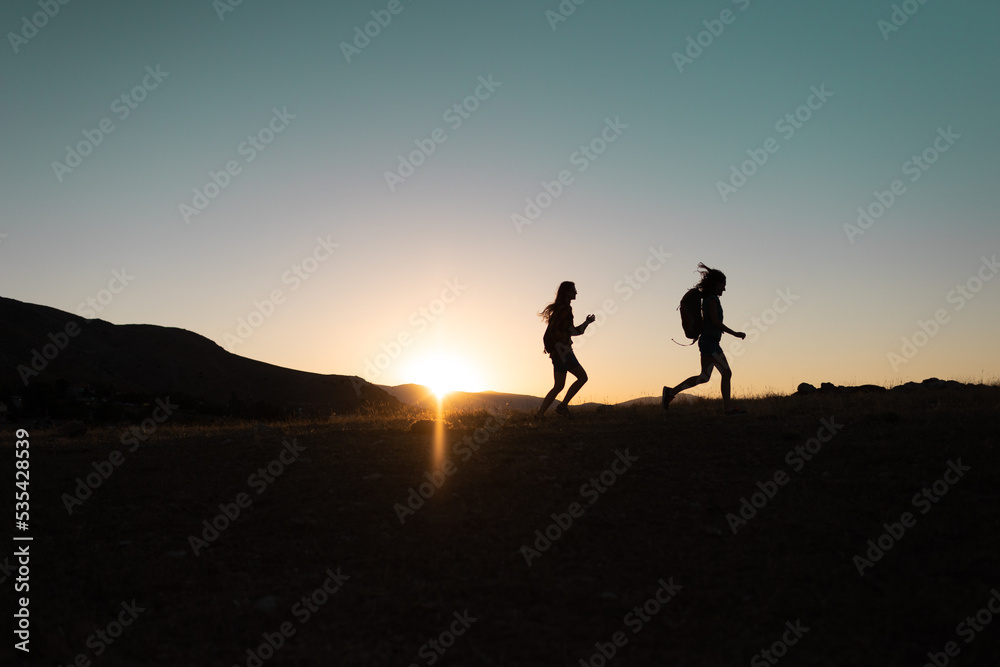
point(673, 130)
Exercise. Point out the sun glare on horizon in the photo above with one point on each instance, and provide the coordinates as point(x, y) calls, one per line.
point(443, 373)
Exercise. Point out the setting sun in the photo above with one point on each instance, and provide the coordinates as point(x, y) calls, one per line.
point(442, 373)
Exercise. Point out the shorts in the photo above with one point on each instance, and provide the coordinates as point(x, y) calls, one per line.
point(710, 346)
point(564, 362)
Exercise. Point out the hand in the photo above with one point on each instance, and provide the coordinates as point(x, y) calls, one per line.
point(590, 318)
point(740, 335)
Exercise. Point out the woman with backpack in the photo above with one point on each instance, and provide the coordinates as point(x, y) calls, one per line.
point(711, 287)
point(559, 346)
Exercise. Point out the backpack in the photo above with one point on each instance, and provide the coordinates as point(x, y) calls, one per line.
point(691, 317)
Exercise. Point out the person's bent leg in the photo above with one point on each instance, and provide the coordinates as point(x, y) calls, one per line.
point(707, 364)
point(581, 379)
point(559, 378)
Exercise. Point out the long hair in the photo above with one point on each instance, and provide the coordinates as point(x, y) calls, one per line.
point(563, 295)
point(709, 277)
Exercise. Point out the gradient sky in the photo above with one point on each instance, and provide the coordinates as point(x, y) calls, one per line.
point(682, 127)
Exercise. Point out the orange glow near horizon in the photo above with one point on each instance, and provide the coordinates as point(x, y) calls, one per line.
point(439, 435)
point(443, 373)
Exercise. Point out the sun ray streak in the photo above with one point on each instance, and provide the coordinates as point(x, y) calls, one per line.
point(439, 434)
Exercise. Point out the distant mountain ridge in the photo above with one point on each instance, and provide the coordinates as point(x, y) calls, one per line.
point(46, 350)
point(422, 397)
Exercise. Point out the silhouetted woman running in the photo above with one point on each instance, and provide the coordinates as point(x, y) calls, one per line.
point(712, 285)
point(559, 346)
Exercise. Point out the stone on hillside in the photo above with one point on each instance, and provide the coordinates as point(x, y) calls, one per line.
point(869, 388)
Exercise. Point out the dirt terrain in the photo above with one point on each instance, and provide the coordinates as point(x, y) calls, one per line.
point(531, 543)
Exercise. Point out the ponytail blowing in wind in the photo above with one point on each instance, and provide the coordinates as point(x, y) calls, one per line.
point(709, 277)
point(565, 294)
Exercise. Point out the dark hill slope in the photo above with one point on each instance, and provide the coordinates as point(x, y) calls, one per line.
point(38, 352)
